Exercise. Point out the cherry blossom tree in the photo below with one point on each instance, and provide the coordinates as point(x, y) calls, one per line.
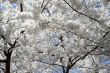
point(55, 36)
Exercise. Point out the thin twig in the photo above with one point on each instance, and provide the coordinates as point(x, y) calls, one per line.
point(45, 6)
point(42, 3)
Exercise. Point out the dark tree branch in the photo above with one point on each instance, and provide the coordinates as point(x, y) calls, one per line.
point(89, 7)
point(63, 67)
point(8, 54)
point(2, 61)
point(81, 12)
point(74, 58)
point(42, 3)
point(88, 53)
point(83, 37)
point(80, 36)
point(3, 37)
point(43, 8)
point(69, 65)
point(21, 7)
point(13, 45)
point(105, 34)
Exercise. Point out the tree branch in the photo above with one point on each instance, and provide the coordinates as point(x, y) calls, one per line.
point(63, 67)
point(3, 37)
point(85, 55)
point(74, 58)
point(13, 45)
point(2, 61)
point(81, 12)
point(42, 3)
point(21, 7)
point(43, 8)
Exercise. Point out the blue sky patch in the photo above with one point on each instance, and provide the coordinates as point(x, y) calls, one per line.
point(14, 5)
point(2, 7)
point(98, 5)
point(76, 70)
point(55, 41)
point(105, 61)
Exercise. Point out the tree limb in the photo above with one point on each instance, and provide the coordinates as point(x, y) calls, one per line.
point(2, 61)
point(81, 12)
point(21, 7)
point(85, 55)
point(63, 67)
point(13, 45)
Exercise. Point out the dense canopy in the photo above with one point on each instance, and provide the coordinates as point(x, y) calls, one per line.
point(54, 36)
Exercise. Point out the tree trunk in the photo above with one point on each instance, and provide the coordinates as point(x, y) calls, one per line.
point(63, 69)
point(67, 71)
point(8, 62)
